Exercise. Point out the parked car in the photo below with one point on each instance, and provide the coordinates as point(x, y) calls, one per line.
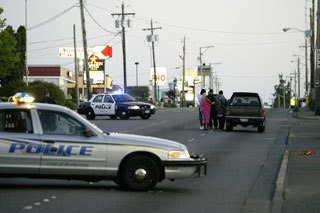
point(49, 141)
point(245, 109)
point(116, 105)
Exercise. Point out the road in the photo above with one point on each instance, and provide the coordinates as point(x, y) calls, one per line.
point(242, 170)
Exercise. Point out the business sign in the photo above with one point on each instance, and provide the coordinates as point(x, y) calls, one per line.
point(102, 52)
point(95, 64)
point(204, 70)
point(161, 76)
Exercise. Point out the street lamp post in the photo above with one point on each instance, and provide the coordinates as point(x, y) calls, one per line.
point(307, 34)
point(137, 83)
point(26, 57)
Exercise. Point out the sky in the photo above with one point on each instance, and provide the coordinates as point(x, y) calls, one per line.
point(249, 44)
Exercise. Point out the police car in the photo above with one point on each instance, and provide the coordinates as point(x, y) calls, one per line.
point(116, 105)
point(50, 141)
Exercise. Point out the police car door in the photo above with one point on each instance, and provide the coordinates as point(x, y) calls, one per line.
point(20, 146)
point(109, 105)
point(97, 105)
point(67, 151)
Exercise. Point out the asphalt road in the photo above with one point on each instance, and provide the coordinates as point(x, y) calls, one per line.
point(242, 170)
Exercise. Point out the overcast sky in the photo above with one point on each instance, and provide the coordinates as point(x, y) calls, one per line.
point(247, 35)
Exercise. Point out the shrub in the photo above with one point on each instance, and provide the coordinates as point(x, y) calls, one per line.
point(71, 104)
point(40, 89)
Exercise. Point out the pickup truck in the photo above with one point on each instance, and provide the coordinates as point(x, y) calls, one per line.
point(245, 109)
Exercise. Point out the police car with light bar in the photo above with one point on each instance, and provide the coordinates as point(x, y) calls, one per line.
point(50, 141)
point(116, 105)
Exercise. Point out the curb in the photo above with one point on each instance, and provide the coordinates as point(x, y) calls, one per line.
point(279, 192)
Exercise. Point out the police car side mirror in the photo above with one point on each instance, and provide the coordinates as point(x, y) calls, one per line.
point(88, 132)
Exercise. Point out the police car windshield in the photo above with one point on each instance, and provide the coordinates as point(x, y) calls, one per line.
point(123, 98)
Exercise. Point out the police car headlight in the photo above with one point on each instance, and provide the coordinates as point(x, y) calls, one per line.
point(133, 107)
point(152, 107)
point(173, 154)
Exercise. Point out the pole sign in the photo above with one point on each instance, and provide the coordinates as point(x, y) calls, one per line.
point(95, 64)
point(102, 52)
point(161, 76)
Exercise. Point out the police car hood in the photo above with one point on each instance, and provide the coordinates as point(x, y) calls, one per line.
point(130, 139)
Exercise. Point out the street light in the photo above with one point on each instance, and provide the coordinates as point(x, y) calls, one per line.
point(137, 84)
point(307, 34)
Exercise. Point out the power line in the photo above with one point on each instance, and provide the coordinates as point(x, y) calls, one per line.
point(97, 23)
point(48, 41)
point(52, 19)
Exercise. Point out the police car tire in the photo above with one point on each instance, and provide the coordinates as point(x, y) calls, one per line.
point(90, 115)
point(128, 175)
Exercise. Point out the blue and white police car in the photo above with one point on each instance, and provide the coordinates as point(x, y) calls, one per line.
point(116, 105)
point(50, 141)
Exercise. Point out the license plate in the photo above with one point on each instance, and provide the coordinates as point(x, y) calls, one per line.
point(244, 120)
point(147, 111)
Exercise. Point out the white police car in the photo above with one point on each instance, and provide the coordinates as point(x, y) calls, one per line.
point(51, 141)
point(114, 105)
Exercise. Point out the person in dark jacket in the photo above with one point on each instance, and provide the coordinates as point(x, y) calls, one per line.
point(222, 108)
point(214, 111)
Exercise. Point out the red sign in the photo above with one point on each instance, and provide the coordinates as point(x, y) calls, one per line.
point(107, 51)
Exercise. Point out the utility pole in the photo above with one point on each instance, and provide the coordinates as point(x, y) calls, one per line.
point(76, 64)
point(84, 39)
point(152, 38)
point(312, 49)
point(183, 72)
point(26, 59)
point(200, 59)
point(123, 15)
point(298, 77)
point(137, 82)
point(317, 86)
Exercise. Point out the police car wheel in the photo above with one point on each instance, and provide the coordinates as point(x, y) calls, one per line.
point(145, 116)
point(123, 115)
point(140, 173)
point(90, 115)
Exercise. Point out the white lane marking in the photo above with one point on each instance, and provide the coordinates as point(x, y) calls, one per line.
point(27, 208)
point(203, 134)
point(37, 203)
point(147, 126)
point(53, 197)
point(46, 200)
point(191, 140)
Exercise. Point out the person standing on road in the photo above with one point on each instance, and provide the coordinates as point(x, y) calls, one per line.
point(214, 113)
point(202, 92)
point(222, 107)
point(205, 106)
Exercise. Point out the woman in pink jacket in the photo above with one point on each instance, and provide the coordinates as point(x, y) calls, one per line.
point(205, 107)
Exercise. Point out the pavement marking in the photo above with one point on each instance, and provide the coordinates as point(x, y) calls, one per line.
point(270, 139)
point(37, 203)
point(191, 140)
point(147, 126)
point(27, 208)
point(203, 134)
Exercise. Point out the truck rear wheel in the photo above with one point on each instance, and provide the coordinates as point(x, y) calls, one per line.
point(229, 127)
point(261, 129)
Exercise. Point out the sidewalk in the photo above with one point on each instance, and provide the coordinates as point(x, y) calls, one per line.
point(301, 185)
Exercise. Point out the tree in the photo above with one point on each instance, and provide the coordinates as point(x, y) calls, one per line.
point(2, 21)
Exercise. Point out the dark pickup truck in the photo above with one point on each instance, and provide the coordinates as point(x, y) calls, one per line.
point(245, 109)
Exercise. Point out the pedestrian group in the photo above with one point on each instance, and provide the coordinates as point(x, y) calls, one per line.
point(212, 110)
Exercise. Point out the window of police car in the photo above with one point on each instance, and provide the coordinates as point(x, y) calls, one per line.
point(98, 99)
point(18, 121)
point(107, 99)
point(59, 123)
